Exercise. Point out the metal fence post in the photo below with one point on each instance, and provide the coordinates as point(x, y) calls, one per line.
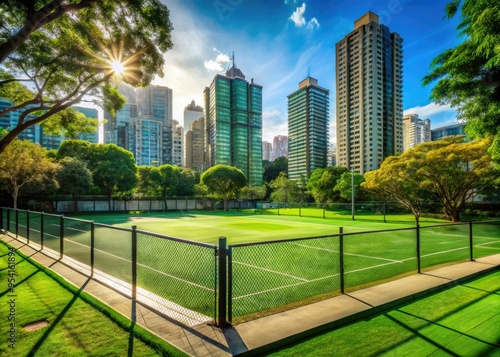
point(230, 284)
point(384, 214)
point(41, 229)
point(471, 243)
point(1, 219)
point(61, 236)
point(134, 262)
point(28, 226)
point(8, 219)
point(92, 248)
point(221, 316)
point(324, 210)
point(17, 222)
point(300, 209)
point(341, 256)
point(418, 247)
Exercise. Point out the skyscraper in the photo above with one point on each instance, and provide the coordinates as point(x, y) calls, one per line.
point(192, 112)
point(307, 129)
point(267, 149)
point(194, 144)
point(233, 124)
point(177, 144)
point(280, 147)
point(450, 130)
point(369, 95)
point(415, 131)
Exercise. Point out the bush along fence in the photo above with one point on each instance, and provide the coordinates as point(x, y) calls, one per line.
point(197, 283)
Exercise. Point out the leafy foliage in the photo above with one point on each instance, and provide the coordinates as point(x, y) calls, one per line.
point(468, 76)
point(273, 169)
point(285, 190)
point(322, 182)
point(344, 186)
point(65, 52)
point(74, 178)
point(223, 182)
point(24, 163)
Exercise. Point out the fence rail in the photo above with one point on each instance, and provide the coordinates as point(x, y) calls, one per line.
point(196, 282)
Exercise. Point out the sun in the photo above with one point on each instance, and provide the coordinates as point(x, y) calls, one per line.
point(117, 67)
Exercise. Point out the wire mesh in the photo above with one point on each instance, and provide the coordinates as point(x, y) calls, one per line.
point(113, 257)
point(51, 232)
point(486, 239)
point(21, 227)
point(178, 276)
point(77, 240)
point(444, 244)
point(35, 220)
point(375, 256)
point(272, 274)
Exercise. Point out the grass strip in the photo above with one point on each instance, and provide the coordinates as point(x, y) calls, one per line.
point(73, 329)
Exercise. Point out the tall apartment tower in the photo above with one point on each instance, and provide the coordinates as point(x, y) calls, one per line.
point(369, 95)
point(233, 124)
point(267, 150)
point(415, 131)
point(308, 110)
point(194, 144)
point(177, 144)
point(192, 112)
point(280, 147)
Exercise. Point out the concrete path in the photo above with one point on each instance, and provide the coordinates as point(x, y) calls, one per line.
point(262, 335)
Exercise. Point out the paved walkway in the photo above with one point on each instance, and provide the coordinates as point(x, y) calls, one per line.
point(258, 336)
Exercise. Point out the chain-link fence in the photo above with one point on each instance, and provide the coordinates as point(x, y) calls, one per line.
point(170, 278)
point(268, 275)
point(187, 280)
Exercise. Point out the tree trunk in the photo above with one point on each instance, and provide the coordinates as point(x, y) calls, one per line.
point(15, 194)
point(75, 205)
point(225, 203)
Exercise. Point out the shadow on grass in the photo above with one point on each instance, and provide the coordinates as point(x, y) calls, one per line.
point(57, 320)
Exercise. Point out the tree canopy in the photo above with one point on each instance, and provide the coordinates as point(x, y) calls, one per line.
point(223, 182)
point(449, 169)
point(322, 182)
point(55, 54)
point(24, 163)
point(468, 76)
point(74, 179)
point(273, 169)
point(285, 190)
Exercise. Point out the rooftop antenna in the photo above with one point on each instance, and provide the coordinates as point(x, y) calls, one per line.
point(308, 71)
point(233, 60)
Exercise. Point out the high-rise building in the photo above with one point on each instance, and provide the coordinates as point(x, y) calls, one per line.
point(194, 144)
point(233, 124)
point(415, 131)
point(308, 111)
point(144, 125)
point(280, 147)
point(177, 144)
point(450, 130)
point(9, 122)
point(192, 112)
point(267, 149)
point(369, 69)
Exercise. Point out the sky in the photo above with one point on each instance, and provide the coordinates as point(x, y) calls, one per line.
point(279, 42)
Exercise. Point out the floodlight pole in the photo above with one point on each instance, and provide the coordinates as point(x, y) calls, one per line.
point(352, 191)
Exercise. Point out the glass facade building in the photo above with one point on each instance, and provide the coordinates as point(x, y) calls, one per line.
point(369, 85)
point(451, 130)
point(308, 112)
point(233, 124)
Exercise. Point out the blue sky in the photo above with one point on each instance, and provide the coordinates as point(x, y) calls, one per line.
point(277, 42)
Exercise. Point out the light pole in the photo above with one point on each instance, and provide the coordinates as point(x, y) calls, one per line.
point(352, 191)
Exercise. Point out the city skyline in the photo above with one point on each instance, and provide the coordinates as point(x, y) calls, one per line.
point(282, 42)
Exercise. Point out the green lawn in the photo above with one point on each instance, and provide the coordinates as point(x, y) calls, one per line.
point(462, 321)
point(75, 327)
point(265, 276)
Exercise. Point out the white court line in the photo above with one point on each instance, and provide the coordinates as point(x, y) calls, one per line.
point(270, 271)
point(355, 255)
point(76, 229)
point(490, 248)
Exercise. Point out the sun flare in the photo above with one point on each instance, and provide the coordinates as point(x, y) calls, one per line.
point(117, 67)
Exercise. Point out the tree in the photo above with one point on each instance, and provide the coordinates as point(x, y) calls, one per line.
point(74, 179)
point(285, 190)
point(322, 182)
point(68, 52)
point(274, 168)
point(23, 163)
point(344, 186)
point(448, 169)
point(223, 182)
point(252, 193)
point(468, 76)
point(114, 170)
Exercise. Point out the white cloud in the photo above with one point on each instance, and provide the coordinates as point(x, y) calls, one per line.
point(299, 19)
point(217, 63)
point(313, 23)
point(428, 110)
point(298, 16)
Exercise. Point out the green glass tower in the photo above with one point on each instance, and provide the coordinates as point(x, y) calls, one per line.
point(307, 129)
point(233, 124)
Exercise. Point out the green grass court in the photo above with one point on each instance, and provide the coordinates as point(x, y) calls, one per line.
point(265, 276)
